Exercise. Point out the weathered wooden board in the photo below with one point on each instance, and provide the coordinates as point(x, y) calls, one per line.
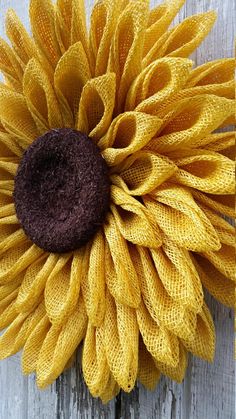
point(208, 390)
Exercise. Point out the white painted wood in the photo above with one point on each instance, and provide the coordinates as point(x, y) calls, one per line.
point(208, 390)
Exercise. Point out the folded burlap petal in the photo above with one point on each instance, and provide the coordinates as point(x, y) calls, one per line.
point(71, 74)
point(156, 84)
point(134, 293)
point(41, 98)
point(96, 106)
point(182, 40)
point(16, 117)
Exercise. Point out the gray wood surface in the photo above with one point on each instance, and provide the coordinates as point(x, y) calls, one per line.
point(208, 390)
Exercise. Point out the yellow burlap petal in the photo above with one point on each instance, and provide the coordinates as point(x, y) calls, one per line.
point(222, 288)
point(63, 287)
point(8, 311)
point(181, 219)
point(21, 41)
point(223, 143)
point(159, 19)
point(225, 231)
point(214, 72)
point(164, 310)
point(8, 289)
point(104, 16)
point(111, 391)
point(41, 98)
point(16, 118)
point(132, 220)
point(5, 199)
point(34, 281)
point(224, 204)
point(42, 18)
point(205, 170)
point(175, 373)
point(128, 133)
point(17, 333)
point(16, 260)
point(96, 106)
point(178, 275)
point(223, 260)
point(59, 345)
point(63, 22)
point(182, 40)
point(213, 78)
point(160, 342)
point(7, 214)
point(203, 344)
point(120, 336)
point(8, 145)
point(33, 345)
point(95, 367)
point(188, 122)
point(127, 47)
point(78, 26)
point(143, 172)
point(11, 236)
point(93, 280)
point(10, 65)
point(157, 83)
point(71, 74)
point(8, 167)
point(148, 374)
point(121, 279)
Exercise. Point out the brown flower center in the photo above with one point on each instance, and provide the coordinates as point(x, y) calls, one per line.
point(62, 190)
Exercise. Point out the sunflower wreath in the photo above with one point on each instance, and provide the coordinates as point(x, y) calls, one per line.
point(113, 183)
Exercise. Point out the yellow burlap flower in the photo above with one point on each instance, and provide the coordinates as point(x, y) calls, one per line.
point(134, 293)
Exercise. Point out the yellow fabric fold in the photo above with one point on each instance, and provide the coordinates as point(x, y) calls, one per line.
point(143, 172)
point(178, 275)
point(128, 133)
point(21, 41)
point(148, 374)
point(59, 345)
point(157, 83)
point(159, 19)
point(16, 334)
point(132, 220)
point(42, 18)
point(206, 171)
point(120, 336)
point(122, 279)
point(71, 74)
point(41, 98)
point(193, 230)
point(188, 122)
point(203, 344)
point(159, 341)
point(16, 118)
point(175, 373)
point(222, 288)
point(164, 310)
point(96, 106)
point(33, 345)
point(94, 280)
point(94, 362)
point(125, 58)
point(63, 287)
point(182, 40)
point(34, 281)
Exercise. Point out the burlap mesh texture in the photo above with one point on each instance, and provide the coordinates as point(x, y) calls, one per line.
point(133, 295)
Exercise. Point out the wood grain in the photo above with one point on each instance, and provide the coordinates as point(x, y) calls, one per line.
point(208, 390)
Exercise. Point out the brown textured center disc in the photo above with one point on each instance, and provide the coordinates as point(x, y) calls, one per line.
point(62, 190)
